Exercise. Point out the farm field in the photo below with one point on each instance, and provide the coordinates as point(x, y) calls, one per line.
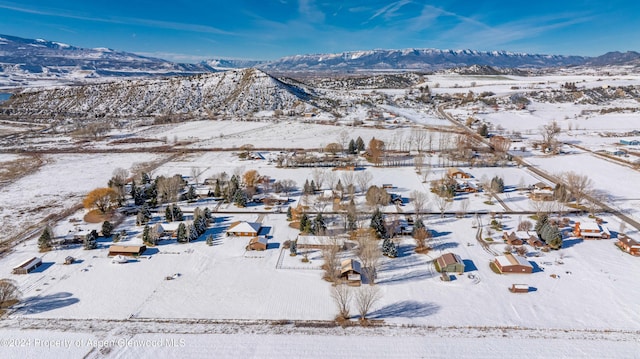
point(218, 297)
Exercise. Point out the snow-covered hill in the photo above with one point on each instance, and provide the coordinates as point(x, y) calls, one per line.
point(238, 92)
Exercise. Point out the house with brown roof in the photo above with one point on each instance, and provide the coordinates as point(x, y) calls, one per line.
point(457, 173)
point(449, 262)
point(628, 245)
point(509, 263)
point(517, 238)
point(128, 251)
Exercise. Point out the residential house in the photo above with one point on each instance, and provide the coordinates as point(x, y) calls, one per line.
point(127, 251)
point(457, 173)
point(509, 263)
point(517, 238)
point(541, 192)
point(591, 230)
point(244, 229)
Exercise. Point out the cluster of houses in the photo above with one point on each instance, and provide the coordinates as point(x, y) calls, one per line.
point(464, 181)
point(519, 238)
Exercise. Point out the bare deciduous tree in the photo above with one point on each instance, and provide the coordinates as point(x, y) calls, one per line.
point(366, 298)
point(464, 205)
point(419, 199)
point(331, 179)
point(364, 178)
point(342, 295)
point(343, 138)
point(419, 139)
point(286, 186)
point(443, 203)
point(377, 196)
point(550, 133)
point(369, 253)
point(169, 188)
point(579, 185)
point(318, 175)
point(330, 252)
point(195, 174)
point(9, 292)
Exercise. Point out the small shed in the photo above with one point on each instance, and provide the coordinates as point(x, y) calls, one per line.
point(628, 245)
point(449, 262)
point(509, 263)
point(129, 251)
point(27, 266)
point(350, 270)
point(258, 244)
point(519, 288)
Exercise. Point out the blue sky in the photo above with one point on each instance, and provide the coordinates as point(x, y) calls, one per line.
point(191, 30)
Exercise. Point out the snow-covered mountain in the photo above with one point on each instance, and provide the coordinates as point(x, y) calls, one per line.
point(24, 62)
point(227, 64)
point(237, 92)
point(417, 59)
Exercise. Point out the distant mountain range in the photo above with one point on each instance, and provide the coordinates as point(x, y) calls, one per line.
point(29, 62)
point(23, 61)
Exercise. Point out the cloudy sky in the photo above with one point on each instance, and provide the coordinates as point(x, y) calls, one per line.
point(192, 30)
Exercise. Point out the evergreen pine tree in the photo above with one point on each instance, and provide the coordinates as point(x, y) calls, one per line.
point(319, 225)
point(312, 185)
point(377, 223)
point(44, 242)
point(181, 234)
point(418, 224)
point(240, 198)
point(360, 144)
point(306, 189)
point(107, 228)
point(389, 249)
point(304, 223)
point(134, 190)
point(293, 248)
point(192, 232)
point(542, 220)
point(352, 221)
point(177, 213)
point(191, 193)
point(168, 213)
point(91, 240)
point(146, 234)
point(352, 149)
point(289, 214)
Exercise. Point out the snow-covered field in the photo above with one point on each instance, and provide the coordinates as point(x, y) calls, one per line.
point(582, 302)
